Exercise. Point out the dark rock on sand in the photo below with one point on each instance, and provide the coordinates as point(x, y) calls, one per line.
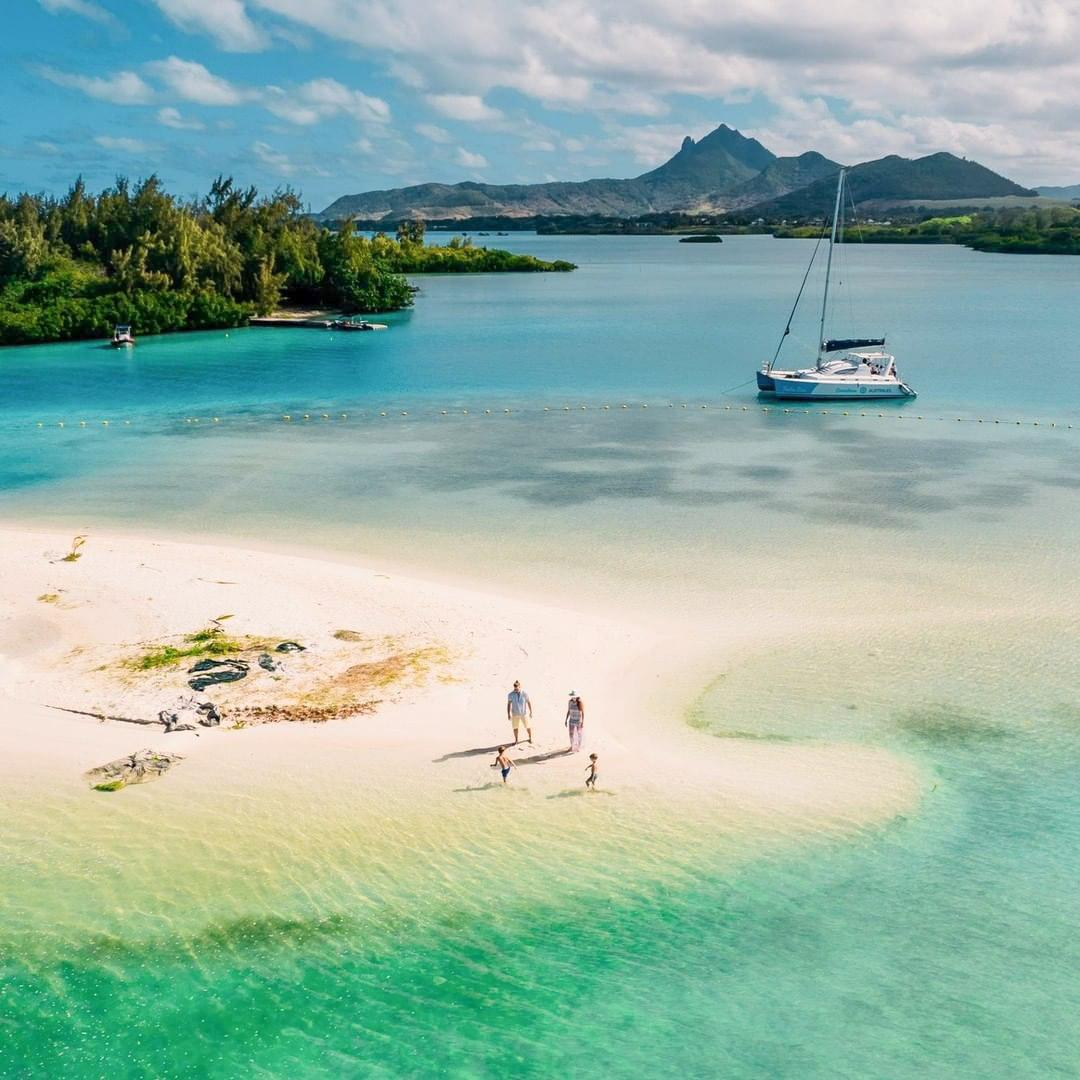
point(171, 722)
point(290, 646)
point(208, 714)
point(138, 768)
point(211, 672)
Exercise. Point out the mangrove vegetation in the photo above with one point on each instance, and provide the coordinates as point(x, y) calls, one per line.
point(74, 267)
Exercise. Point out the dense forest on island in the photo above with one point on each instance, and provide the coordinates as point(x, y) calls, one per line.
point(74, 267)
point(1053, 230)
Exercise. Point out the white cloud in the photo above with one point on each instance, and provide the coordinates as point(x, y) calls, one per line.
point(993, 65)
point(994, 78)
point(470, 160)
point(277, 161)
point(123, 88)
point(171, 118)
point(226, 21)
point(433, 132)
point(469, 107)
point(122, 144)
point(322, 98)
point(77, 7)
point(193, 82)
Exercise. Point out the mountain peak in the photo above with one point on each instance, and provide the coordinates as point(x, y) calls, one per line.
point(719, 159)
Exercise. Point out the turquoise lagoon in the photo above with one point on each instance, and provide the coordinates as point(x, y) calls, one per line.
point(931, 558)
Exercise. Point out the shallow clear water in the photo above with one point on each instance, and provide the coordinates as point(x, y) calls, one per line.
point(932, 563)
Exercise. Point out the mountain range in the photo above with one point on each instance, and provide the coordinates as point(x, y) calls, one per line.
point(1069, 191)
point(724, 171)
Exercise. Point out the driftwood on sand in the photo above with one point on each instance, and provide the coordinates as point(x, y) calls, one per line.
point(205, 712)
point(138, 768)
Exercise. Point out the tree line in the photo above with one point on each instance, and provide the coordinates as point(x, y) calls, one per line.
point(1047, 230)
point(75, 266)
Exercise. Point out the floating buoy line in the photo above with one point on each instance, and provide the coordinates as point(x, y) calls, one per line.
point(377, 414)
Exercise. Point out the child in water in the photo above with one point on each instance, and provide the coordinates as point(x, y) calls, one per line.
point(593, 770)
point(504, 763)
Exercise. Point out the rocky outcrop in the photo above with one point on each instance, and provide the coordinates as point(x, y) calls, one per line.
point(138, 768)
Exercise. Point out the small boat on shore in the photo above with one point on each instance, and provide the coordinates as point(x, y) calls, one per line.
point(862, 370)
point(122, 337)
point(353, 324)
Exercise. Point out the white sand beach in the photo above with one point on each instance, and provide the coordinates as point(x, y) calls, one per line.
point(424, 667)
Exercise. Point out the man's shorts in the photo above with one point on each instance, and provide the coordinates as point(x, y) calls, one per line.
point(520, 722)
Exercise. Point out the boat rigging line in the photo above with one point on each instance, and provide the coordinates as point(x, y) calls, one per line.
point(794, 307)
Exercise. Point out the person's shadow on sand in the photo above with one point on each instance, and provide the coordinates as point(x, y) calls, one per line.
point(577, 793)
point(476, 751)
point(489, 787)
point(539, 759)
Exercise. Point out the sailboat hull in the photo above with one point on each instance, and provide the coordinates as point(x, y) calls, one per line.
point(830, 390)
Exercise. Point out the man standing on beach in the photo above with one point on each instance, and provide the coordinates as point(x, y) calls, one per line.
point(519, 711)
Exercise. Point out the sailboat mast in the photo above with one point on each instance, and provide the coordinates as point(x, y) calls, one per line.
point(828, 265)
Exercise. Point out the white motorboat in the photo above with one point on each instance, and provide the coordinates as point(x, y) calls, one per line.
point(122, 337)
point(862, 368)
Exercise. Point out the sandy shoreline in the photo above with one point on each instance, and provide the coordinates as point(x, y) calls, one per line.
point(433, 660)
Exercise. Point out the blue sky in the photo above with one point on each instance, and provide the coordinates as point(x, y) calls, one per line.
point(339, 96)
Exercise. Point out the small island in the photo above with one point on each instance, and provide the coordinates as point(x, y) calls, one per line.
point(77, 266)
point(701, 238)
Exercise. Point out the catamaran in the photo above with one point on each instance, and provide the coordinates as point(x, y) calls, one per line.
point(846, 367)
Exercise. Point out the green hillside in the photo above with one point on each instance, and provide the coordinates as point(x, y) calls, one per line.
point(893, 178)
